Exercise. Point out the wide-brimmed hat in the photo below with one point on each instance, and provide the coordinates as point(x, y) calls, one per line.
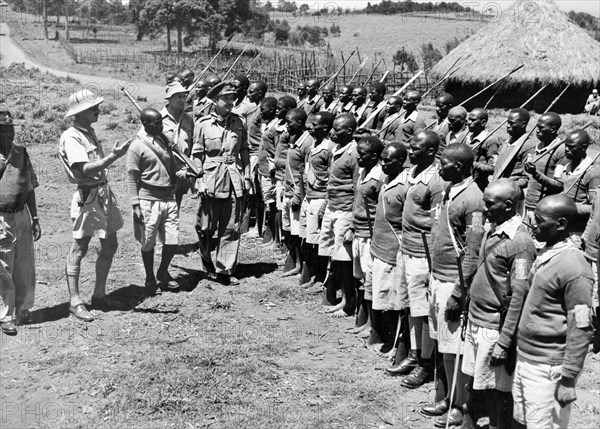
point(174, 88)
point(7, 119)
point(81, 101)
point(221, 89)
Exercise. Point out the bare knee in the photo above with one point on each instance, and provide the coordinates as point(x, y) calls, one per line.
point(78, 250)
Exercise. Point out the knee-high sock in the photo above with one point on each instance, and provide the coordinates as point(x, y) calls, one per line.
point(441, 384)
point(460, 394)
point(391, 320)
point(148, 260)
point(427, 344)
point(321, 270)
point(416, 332)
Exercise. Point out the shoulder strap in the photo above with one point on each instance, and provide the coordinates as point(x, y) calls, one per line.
point(162, 161)
point(487, 270)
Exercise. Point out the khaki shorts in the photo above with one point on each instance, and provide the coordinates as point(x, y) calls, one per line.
point(362, 264)
point(533, 395)
point(159, 216)
point(99, 213)
point(389, 291)
point(446, 333)
point(478, 348)
point(331, 238)
point(416, 276)
point(309, 219)
point(290, 219)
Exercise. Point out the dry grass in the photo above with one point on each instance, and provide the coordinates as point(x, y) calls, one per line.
point(535, 33)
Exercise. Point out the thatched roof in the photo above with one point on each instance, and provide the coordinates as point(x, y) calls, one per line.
point(540, 35)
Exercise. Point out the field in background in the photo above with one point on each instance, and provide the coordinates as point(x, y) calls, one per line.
point(115, 52)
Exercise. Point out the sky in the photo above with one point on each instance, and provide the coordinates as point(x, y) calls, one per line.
point(589, 6)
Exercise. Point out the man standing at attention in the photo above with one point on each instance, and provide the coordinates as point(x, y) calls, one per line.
point(555, 328)
point(94, 206)
point(19, 228)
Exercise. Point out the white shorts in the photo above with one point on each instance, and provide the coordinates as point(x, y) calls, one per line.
point(478, 348)
point(331, 238)
point(533, 390)
point(389, 291)
point(362, 264)
point(309, 219)
point(159, 216)
point(446, 333)
point(290, 219)
point(416, 276)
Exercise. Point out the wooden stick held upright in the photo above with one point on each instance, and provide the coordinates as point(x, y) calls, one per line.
point(234, 63)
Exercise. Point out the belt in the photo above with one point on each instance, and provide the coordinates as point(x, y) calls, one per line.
point(12, 210)
point(229, 159)
point(94, 186)
point(157, 188)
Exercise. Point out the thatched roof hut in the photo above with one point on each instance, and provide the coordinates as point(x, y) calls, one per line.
point(539, 35)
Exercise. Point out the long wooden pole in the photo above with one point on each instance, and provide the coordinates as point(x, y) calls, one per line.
point(235, 62)
point(492, 84)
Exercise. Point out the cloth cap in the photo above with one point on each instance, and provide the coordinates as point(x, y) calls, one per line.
point(595, 91)
point(175, 88)
point(82, 101)
point(7, 119)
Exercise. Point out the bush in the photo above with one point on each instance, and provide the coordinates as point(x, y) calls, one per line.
point(335, 30)
point(430, 55)
point(406, 60)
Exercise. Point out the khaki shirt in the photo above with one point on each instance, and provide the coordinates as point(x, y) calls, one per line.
point(219, 147)
point(80, 145)
point(179, 130)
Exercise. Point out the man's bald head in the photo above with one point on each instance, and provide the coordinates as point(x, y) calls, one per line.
point(429, 139)
point(506, 189)
point(443, 104)
point(298, 114)
point(521, 114)
point(458, 112)
point(556, 207)
point(480, 113)
point(151, 119)
point(552, 119)
point(459, 152)
point(579, 137)
point(346, 120)
point(446, 98)
point(396, 150)
point(413, 94)
point(325, 118)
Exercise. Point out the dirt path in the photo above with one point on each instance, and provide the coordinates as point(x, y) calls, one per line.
point(103, 86)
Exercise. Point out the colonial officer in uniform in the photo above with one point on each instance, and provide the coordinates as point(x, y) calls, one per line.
point(94, 206)
point(220, 150)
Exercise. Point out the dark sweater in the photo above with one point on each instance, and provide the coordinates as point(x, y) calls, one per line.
point(542, 185)
point(266, 151)
point(466, 217)
point(367, 188)
point(485, 157)
point(281, 149)
point(317, 170)
point(254, 131)
point(591, 235)
point(423, 195)
point(342, 179)
point(299, 146)
point(559, 280)
point(387, 230)
point(581, 189)
point(508, 248)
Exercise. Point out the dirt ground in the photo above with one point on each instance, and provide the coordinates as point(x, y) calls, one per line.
point(256, 355)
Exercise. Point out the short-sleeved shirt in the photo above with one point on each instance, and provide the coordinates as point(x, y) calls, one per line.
point(18, 179)
point(179, 130)
point(219, 146)
point(79, 145)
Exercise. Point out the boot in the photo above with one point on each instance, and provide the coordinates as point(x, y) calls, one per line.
point(421, 375)
point(406, 366)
